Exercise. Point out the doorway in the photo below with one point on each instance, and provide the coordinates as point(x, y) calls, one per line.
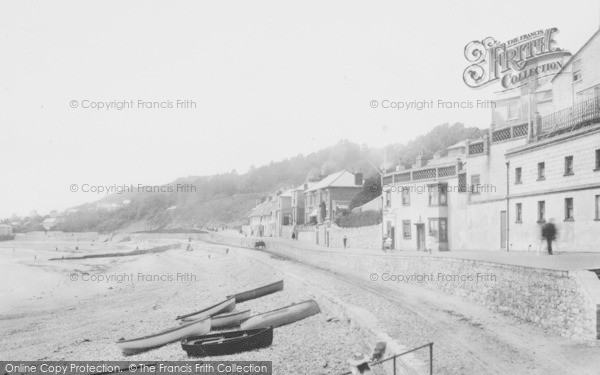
point(420, 237)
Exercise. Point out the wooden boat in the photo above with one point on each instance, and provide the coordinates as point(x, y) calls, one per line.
point(229, 320)
point(139, 344)
point(283, 316)
point(259, 292)
point(221, 307)
point(228, 342)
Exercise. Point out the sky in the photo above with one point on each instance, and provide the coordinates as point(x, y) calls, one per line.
point(269, 79)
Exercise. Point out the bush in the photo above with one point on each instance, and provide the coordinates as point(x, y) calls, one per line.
point(359, 219)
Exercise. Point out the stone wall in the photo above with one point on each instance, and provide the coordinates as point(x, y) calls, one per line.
point(286, 231)
point(560, 301)
point(360, 238)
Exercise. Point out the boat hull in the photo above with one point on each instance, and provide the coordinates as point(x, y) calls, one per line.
point(140, 344)
point(259, 292)
point(283, 316)
point(222, 307)
point(229, 320)
point(228, 342)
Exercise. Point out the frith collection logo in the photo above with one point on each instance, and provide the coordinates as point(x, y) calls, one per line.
point(514, 62)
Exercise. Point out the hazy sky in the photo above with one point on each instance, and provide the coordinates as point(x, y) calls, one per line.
point(270, 80)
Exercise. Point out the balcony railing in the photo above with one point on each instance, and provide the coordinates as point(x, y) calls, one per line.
point(425, 173)
point(569, 119)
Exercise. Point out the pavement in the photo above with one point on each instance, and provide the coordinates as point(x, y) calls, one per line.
point(562, 261)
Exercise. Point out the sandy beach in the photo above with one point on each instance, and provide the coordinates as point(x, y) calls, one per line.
point(78, 309)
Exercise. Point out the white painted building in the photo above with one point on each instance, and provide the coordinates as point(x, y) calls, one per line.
point(539, 161)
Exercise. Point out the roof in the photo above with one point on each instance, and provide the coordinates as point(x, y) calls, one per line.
point(301, 187)
point(575, 54)
point(374, 204)
point(457, 145)
point(338, 179)
point(262, 209)
point(287, 193)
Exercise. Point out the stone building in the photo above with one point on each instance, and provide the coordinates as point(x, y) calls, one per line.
point(334, 192)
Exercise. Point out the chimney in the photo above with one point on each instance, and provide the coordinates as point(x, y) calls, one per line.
point(358, 179)
point(419, 161)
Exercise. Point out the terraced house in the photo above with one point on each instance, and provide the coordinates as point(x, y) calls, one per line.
point(539, 161)
point(334, 192)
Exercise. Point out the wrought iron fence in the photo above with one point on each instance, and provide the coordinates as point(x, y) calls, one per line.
point(572, 118)
point(424, 174)
point(476, 148)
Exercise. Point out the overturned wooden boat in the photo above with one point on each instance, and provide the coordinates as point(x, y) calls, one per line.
point(259, 292)
point(234, 319)
point(283, 316)
point(222, 307)
point(139, 344)
point(228, 342)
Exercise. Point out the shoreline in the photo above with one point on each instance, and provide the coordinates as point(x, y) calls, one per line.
point(82, 320)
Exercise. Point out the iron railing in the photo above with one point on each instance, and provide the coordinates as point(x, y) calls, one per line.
point(572, 118)
point(394, 357)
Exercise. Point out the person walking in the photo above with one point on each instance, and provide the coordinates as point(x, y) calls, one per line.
point(549, 234)
point(345, 241)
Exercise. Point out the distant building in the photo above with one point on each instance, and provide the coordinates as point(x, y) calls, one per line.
point(334, 192)
point(283, 210)
point(298, 201)
point(260, 218)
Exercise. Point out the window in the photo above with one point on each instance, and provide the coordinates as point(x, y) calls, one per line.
point(438, 194)
point(513, 110)
point(443, 192)
point(405, 196)
point(475, 184)
point(433, 195)
point(462, 183)
point(518, 175)
point(577, 71)
point(388, 198)
point(597, 207)
point(519, 212)
point(388, 228)
point(406, 229)
point(597, 160)
point(569, 209)
point(568, 165)
point(541, 171)
point(541, 211)
point(438, 228)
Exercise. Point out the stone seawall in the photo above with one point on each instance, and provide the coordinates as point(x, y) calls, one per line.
point(560, 301)
point(359, 238)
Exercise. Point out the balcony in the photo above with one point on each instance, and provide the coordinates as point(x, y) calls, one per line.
point(578, 116)
point(424, 173)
